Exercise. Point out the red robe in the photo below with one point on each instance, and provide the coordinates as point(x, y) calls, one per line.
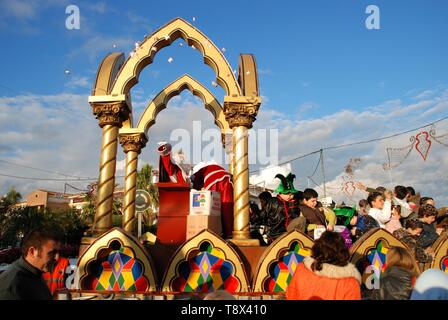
point(216, 178)
point(173, 170)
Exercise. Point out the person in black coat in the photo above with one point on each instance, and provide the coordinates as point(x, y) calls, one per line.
point(23, 279)
point(396, 282)
point(279, 211)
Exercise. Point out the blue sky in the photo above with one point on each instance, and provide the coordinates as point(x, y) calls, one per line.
point(324, 77)
point(315, 52)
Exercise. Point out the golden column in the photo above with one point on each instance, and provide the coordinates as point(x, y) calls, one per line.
point(227, 143)
point(132, 144)
point(240, 115)
point(110, 116)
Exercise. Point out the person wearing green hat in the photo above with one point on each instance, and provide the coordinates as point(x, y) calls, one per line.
point(280, 211)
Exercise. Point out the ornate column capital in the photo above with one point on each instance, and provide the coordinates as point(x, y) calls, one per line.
point(112, 113)
point(241, 112)
point(133, 141)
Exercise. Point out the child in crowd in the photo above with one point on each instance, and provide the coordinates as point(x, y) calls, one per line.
point(394, 222)
point(427, 214)
point(361, 224)
point(399, 277)
point(409, 236)
point(380, 207)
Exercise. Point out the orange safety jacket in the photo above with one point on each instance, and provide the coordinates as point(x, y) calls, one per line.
point(55, 279)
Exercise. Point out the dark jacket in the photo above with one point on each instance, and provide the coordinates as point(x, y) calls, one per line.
point(364, 224)
point(276, 218)
point(428, 236)
point(395, 284)
point(412, 242)
point(22, 281)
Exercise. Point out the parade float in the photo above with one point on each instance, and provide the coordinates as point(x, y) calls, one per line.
point(114, 264)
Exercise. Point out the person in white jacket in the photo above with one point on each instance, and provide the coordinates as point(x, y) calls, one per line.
point(380, 208)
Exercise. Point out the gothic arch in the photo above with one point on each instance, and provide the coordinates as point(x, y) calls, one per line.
point(368, 254)
point(177, 28)
point(205, 263)
point(279, 261)
point(116, 261)
point(185, 82)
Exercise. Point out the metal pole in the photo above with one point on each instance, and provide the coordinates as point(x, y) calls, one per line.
point(323, 170)
point(139, 232)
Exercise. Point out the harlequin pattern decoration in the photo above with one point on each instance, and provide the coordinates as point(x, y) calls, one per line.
point(368, 254)
point(279, 262)
point(440, 260)
point(205, 263)
point(120, 272)
point(206, 271)
point(116, 262)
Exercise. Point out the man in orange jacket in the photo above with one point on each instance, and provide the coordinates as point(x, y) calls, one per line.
point(56, 276)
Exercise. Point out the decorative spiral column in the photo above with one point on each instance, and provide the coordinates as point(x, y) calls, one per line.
point(240, 115)
point(227, 142)
point(110, 116)
point(132, 144)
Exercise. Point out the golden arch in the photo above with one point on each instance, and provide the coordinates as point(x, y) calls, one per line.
point(111, 104)
point(178, 28)
point(185, 82)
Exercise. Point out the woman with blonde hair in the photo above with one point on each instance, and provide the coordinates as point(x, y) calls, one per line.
point(398, 279)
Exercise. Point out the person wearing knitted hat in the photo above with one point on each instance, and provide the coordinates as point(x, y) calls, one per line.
point(281, 213)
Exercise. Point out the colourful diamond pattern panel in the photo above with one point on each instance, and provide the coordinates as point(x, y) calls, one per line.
point(206, 270)
point(120, 271)
point(282, 270)
point(376, 259)
point(444, 264)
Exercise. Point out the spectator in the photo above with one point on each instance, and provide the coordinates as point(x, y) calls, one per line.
point(427, 214)
point(380, 209)
point(411, 191)
point(400, 194)
point(431, 285)
point(396, 281)
point(394, 222)
point(409, 236)
point(363, 207)
point(427, 200)
point(56, 276)
point(314, 217)
point(327, 274)
point(361, 224)
point(23, 280)
point(264, 198)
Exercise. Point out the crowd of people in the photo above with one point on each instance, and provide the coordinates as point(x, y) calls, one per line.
point(408, 216)
point(327, 273)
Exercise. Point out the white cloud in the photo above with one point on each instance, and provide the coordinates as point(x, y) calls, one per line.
point(81, 82)
point(99, 46)
point(59, 132)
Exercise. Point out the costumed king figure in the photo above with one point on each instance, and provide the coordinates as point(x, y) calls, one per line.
point(170, 168)
point(212, 177)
